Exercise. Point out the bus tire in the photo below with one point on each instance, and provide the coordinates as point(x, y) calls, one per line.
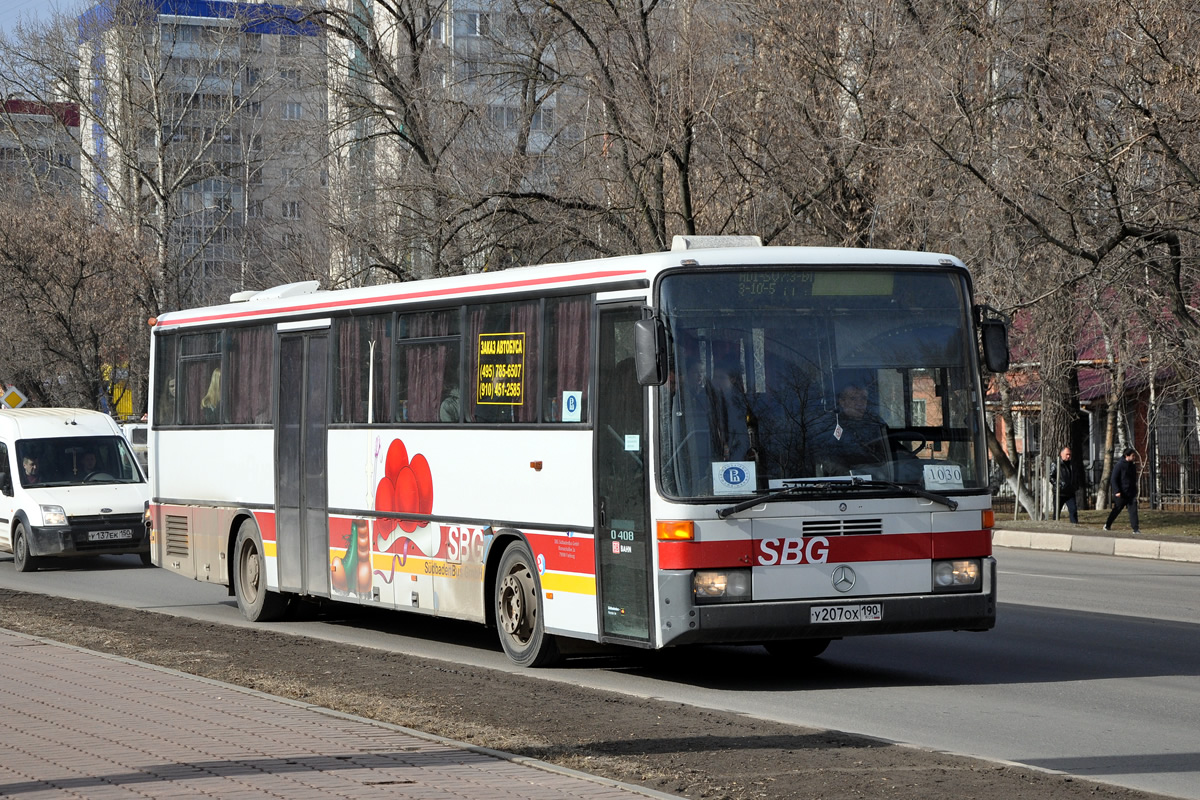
point(518, 604)
point(798, 649)
point(257, 603)
point(22, 560)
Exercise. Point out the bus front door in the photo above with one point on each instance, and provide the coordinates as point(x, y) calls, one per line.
point(301, 522)
point(623, 540)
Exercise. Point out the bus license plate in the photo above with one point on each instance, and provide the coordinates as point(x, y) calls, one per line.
point(104, 536)
point(865, 612)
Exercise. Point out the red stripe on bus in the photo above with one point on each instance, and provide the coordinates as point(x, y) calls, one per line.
point(266, 525)
point(962, 544)
point(563, 553)
point(832, 549)
point(430, 293)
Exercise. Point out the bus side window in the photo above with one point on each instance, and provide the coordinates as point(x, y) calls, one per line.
point(568, 355)
point(503, 340)
point(428, 353)
point(250, 374)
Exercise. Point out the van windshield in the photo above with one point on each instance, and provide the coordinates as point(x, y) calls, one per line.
point(76, 460)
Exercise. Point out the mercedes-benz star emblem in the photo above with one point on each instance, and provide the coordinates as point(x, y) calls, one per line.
point(843, 578)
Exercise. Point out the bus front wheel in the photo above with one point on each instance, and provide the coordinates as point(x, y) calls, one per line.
point(519, 610)
point(250, 578)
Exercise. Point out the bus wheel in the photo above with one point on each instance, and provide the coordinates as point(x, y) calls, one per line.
point(250, 578)
point(798, 649)
point(20, 546)
point(519, 611)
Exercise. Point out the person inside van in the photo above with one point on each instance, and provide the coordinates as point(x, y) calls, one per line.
point(87, 463)
point(29, 471)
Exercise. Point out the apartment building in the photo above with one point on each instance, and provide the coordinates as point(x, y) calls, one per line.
point(205, 127)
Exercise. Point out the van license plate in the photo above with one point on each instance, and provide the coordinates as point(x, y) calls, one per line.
point(104, 536)
point(864, 612)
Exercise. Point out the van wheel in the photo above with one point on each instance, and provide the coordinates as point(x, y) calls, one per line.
point(519, 611)
point(250, 578)
point(21, 558)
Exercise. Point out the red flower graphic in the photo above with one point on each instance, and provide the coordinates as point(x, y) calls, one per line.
point(406, 486)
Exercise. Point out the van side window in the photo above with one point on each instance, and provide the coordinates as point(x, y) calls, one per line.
point(5, 478)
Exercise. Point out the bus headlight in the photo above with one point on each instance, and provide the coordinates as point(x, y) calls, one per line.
point(721, 586)
point(960, 575)
point(53, 515)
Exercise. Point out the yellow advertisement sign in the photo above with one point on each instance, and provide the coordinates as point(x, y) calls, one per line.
point(501, 377)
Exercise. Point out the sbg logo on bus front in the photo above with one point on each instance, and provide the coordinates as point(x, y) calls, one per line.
point(790, 552)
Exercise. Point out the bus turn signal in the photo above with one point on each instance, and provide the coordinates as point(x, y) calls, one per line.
point(671, 530)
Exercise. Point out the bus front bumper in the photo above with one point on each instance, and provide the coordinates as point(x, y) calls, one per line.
point(755, 622)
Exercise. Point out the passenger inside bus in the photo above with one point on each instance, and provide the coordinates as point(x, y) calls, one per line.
point(857, 442)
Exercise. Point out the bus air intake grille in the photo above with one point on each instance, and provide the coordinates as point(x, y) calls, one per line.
point(177, 535)
point(842, 527)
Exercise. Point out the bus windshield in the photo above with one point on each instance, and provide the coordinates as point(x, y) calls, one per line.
point(779, 377)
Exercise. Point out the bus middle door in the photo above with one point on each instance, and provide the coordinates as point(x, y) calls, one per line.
point(302, 521)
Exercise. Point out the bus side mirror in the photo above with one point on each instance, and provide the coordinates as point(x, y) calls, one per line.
point(995, 344)
point(650, 351)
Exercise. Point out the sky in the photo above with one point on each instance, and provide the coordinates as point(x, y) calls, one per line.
point(13, 10)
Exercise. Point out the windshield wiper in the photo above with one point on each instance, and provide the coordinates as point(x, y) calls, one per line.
point(836, 484)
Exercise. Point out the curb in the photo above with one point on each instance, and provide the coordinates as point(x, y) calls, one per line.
point(1098, 545)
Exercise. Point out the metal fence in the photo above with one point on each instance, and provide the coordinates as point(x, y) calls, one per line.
point(1177, 487)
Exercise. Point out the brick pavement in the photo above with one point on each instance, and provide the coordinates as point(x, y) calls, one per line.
point(79, 724)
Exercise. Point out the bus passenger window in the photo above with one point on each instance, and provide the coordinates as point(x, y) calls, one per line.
point(568, 352)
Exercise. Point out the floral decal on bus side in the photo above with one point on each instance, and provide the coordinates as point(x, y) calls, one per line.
point(406, 487)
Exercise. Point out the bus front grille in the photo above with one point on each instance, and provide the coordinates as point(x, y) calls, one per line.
point(177, 535)
point(842, 527)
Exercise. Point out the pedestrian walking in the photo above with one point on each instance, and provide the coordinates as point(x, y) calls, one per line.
point(1067, 474)
point(1124, 487)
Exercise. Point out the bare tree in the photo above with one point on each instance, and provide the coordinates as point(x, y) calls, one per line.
point(70, 322)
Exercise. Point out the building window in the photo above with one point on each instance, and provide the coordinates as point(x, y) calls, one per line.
point(472, 23)
point(289, 45)
point(293, 110)
point(918, 412)
point(291, 209)
point(254, 209)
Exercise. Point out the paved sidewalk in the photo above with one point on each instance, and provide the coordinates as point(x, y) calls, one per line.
point(1127, 545)
point(79, 724)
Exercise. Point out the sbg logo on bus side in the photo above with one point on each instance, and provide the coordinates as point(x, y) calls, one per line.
point(789, 552)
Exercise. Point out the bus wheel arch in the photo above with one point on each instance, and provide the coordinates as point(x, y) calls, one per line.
point(516, 606)
point(257, 602)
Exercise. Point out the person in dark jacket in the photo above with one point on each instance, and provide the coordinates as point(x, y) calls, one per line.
point(1068, 475)
point(1124, 488)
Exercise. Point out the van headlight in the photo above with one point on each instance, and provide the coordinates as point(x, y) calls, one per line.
point(53, 515)
point(721, 586)
point(959, 575)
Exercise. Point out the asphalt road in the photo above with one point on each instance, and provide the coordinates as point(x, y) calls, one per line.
point(1093, 668)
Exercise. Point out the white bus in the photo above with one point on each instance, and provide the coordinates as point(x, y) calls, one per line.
point(744, 444)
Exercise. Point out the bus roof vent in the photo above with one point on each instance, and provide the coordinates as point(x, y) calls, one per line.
point(708, 242)
point(277, 292)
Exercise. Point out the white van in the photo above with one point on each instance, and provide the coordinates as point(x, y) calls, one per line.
point(69, 485)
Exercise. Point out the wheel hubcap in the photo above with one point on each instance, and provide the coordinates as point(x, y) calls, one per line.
point(512, 604)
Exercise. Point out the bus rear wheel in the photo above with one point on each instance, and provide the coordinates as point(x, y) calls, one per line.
point(250, 578)
point(519, 610)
